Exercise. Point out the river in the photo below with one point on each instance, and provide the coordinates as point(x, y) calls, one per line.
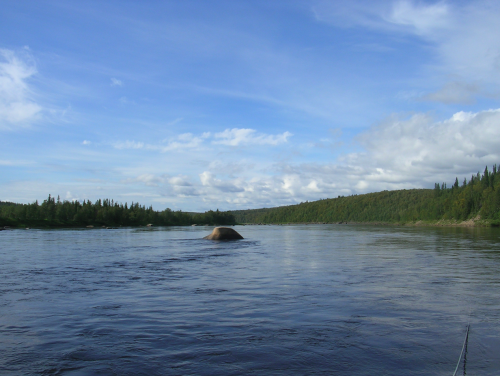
point(286, 300)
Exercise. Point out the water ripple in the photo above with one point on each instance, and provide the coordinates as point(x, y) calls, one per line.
point(286, 300)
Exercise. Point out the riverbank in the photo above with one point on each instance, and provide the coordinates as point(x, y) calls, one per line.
point(473, 222)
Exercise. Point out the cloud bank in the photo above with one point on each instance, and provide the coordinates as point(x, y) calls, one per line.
point(398, 153)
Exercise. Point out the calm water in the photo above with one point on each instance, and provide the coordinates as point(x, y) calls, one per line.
point(287, 300)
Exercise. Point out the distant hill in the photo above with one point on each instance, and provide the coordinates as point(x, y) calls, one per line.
point(479, 198)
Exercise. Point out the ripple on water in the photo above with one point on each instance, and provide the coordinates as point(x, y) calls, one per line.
point(299, 300)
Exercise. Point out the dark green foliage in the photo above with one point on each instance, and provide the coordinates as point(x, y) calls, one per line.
point(7, 203)
point(52, 213)
point(480, 196)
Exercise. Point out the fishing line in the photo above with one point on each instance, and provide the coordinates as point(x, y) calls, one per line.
point(464, 346)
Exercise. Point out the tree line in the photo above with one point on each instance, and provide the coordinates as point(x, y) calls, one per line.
point(56, 213)
point(478, 197)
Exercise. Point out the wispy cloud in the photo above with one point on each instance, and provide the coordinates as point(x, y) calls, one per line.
point(130, 145)
point(165, 185)
point(7, 162)
point(422, 18)
point(181, 142)
point(229, 137)
point(352, 13)
point(462, 36)
point(454, 93)
point(148, 179)
point(243, 136)
point(184, 141)
point(173, 122)
point(17, 107)
point(116, 82)
point(389, 16)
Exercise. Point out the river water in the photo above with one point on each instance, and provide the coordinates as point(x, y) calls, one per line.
point(286, 300)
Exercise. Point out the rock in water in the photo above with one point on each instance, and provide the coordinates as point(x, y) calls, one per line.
point(223, 233)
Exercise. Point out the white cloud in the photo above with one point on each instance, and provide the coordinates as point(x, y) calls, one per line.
point(234, 136)
point(352, 13)
point(17, 162)
point(178, 143)
point(181, 186)
point(184, 141)
point(70, 197)
point(124, 101)
point(410, 153)
point(416, 149)
point(422, 18)
point(391, 16)
point(185, 191)
point(454, 92)
point(469, 48)
point(462, 36)
point(165, 185)
point(209, 180)
point(173, 122)
point(231, 167)
point(129, 145)
point(17, 107)
point(116, 82)
point(86, 142)
point(397, 154)
point(242, 136)
point(150, 180)
point(230, 137)
point(179, 181)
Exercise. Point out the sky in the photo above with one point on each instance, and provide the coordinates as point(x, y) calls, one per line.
point(220, 104)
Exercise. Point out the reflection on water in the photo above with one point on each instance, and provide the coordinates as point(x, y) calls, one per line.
point(322, 299)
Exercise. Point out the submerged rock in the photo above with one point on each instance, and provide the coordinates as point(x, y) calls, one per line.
point(223, 233)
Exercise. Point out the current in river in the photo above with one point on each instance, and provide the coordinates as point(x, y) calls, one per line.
point(286, 300)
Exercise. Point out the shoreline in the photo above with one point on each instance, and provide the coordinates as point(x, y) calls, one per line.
point(475, 222)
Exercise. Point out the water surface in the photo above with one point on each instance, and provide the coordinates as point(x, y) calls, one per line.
point(286, 300)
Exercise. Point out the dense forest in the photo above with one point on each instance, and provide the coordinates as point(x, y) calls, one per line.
point(57, 213)
point(478, 198)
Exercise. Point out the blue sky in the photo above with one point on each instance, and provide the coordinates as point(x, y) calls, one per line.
point(198, 105)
